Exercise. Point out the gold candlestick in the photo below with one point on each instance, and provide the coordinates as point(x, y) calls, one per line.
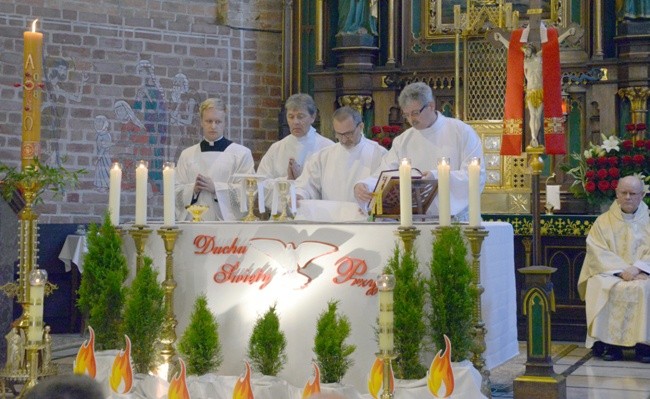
point(408, 236)
point(251, 188)
point(32, 366)
point(169, 360)
point(140, 234)
point(475, 236)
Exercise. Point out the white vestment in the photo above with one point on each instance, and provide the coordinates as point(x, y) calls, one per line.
point(617, 310)
point(331, 173)
point(219, 166)
point(447, 137)
point(276, 160)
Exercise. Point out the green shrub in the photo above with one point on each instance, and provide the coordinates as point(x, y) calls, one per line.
point(200, 342)
point(144, 316)
point(102, 292)
point(409, 315)
point(452, 293)
point(332, 354)
point(267, 344)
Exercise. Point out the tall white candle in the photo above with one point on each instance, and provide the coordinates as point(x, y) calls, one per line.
point(474, 172)
point(141, 175)
point(169, 198)
point(405, 200)
point(114, 190)
point(444, 209)
point(37, 280)
point(386, 284)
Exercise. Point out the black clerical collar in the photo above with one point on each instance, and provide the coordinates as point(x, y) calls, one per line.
point(219, 145)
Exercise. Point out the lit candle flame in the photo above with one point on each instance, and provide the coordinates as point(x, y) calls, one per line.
point(34, 25)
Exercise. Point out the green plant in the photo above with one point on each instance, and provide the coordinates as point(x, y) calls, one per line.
point(409, 316)
point(144, 315)
point(102, 292)
point(452, 293)
point(200, 341)
point(332, 353)
point(267, 344)
point(39, 176)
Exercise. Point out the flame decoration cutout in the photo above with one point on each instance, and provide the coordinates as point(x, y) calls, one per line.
point(376, 378)
point(441, 372)
point(312, 387)
point(243, 388)
point(178, 385)
point(85, 361)
point(122, 371)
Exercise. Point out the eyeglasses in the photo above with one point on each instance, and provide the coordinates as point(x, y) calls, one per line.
point(626, 193)
point(415, 114)
point(348, 134)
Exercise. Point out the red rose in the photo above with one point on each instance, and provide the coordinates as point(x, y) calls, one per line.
point(630, 127)
point(613, 161)
point(640, 144)
point(375, 130)
point(626, 159)
point(647, 145)
point(614, 173)
point(613, 184)
point(590, 161)
point(627, 144)
point(638, 159)
point(590, 187)
point(386, 129)
point(640, 126)
point(386, 142)
point(602, 161)
point(590, 174)
point(397, 129)
point(603, 185)
point(602, 174)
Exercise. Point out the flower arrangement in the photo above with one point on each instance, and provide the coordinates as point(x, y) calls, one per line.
point(600, 166)
point(384, 135)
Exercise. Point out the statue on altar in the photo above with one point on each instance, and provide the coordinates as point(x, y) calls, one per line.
point(357, 17)
point(15, 349)
point(534, 90)
point(632, 9)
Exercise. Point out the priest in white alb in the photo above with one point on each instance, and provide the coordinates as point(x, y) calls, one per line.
point(331, 173)
point(205, 170)
point(614, 277)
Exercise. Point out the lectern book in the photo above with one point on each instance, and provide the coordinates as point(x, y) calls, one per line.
point(387, 189)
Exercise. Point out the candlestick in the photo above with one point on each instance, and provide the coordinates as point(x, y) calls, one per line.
point(37, 280)
point(169, 197)
point(141, 175)
point(32, 83)
point(114, 190)
point(405, 200)
point(474, 172)
point(444, 209)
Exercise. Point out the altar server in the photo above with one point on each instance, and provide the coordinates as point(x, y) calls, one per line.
point(614, 281)
point(331, 173)
point(431, 136)
point(205, 170)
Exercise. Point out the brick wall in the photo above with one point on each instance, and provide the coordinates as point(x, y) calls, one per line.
point(123, 82)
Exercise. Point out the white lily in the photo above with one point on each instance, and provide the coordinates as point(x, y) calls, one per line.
point(610, 143)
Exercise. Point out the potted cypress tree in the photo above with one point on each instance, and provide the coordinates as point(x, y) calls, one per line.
point(332, 353)
point(200, 344)
point(267, 344)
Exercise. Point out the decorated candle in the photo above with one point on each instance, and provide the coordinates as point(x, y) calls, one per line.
point(405, 200)
point(114, 190)
point(386, 284)
point(169, 200)
point(32, 82)
point(141, 175)
point(444, 207)
point(474, 172)
point(37, 280)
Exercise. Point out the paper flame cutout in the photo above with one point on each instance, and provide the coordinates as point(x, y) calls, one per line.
point(178, 385)
point(376, 378)
point(441, 372)
point(312, 386)
point(243, 388)
point(121, 379)
point(85, 361)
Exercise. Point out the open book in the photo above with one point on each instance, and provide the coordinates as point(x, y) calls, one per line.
point(387, 190)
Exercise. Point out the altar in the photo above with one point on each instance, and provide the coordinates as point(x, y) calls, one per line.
point(244, 268)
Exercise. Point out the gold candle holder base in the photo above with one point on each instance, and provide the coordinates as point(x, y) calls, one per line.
point(475, 236)
point(168, 360)
point(408, 236)
point(140, 234)
point(386, 358)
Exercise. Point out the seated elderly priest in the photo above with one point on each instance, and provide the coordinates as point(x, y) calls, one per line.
point(614, 280)
point(206, 169)
point(331, 173)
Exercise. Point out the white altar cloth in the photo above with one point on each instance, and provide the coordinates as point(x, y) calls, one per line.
point(244, 268)
point(73, 252)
